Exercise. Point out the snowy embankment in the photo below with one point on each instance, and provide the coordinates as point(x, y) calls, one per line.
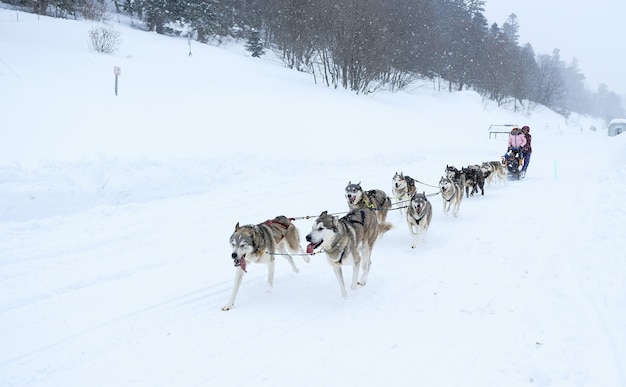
point(115, 215)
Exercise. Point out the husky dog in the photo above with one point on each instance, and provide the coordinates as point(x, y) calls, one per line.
point(403, 188)
point(347, 241)
point(494, 172)
point(474, 179)
point(374, 199)
point(418, 216)
point(452, 195)
point(455, 175)
point(259, 244)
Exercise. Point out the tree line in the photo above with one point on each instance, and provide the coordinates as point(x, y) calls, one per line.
point(365, 45)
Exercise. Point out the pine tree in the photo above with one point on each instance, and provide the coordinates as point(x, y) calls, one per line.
point(202, 18)
point(254, 43)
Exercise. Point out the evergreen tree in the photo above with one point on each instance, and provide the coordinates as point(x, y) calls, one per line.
point(608, 105)
point(156, 14)
point(254, 43)
point(201, 17)
point(510, 28)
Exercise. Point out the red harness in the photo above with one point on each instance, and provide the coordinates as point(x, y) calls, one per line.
point(242, 261)
point(270, 222)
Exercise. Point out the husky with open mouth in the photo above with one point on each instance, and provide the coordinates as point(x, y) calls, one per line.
point(403, 188)
point(261, 243)
point(418, 216)
point(374, 199)
point(347, 241)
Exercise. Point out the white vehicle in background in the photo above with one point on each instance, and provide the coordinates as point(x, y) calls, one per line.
point(617, 126)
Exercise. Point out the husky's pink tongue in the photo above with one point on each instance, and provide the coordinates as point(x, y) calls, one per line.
point(310, 248)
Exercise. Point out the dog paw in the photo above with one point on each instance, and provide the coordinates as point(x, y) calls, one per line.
point(227, 307)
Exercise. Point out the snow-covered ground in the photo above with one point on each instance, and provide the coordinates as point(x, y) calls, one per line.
point(115, 215)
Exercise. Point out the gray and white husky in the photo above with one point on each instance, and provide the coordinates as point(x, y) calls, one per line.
point(374, 199)
point(259, 244)
point(347, 241)
point(451, 194)
point(418, 216)
point(403, 188)
point(494, 172)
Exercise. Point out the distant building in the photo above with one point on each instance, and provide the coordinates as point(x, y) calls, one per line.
point(617, 126)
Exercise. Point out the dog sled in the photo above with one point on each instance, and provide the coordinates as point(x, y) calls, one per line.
point(514, 165)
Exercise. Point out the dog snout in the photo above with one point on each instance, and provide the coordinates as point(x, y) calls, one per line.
point(308, 238)
point(234, 255)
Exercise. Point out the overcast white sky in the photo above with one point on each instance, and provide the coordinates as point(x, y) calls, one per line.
point(594, 32)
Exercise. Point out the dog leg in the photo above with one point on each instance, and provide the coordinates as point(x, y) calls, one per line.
point(411, 230)
point(300, 251)
point(293, 243)
point(270, 274)
point(365, 266)
point(305, 257)
point(339, 274)
point(292, 263)
point(289, 258)
point(355, 275)
point(238, 277)
point(416, 231)
point(417, 238)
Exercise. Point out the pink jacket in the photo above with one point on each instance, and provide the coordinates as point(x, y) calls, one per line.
point(517, 140)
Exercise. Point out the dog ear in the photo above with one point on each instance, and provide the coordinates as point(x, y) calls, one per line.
point(237, 226)
point(324, 213)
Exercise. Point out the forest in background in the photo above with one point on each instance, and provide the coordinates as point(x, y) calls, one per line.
point(366, 45)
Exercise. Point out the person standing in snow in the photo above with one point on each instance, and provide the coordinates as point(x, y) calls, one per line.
point(516, 142)
point(526, 149)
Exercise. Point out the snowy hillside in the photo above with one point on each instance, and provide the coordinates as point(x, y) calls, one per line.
point(116, 213)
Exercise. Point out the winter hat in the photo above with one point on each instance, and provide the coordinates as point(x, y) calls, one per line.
point(525, 127)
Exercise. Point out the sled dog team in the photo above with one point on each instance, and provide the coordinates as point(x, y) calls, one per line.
point(349, 240)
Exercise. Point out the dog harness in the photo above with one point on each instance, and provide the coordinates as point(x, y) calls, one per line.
point(269, 222)
point(349, 219)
